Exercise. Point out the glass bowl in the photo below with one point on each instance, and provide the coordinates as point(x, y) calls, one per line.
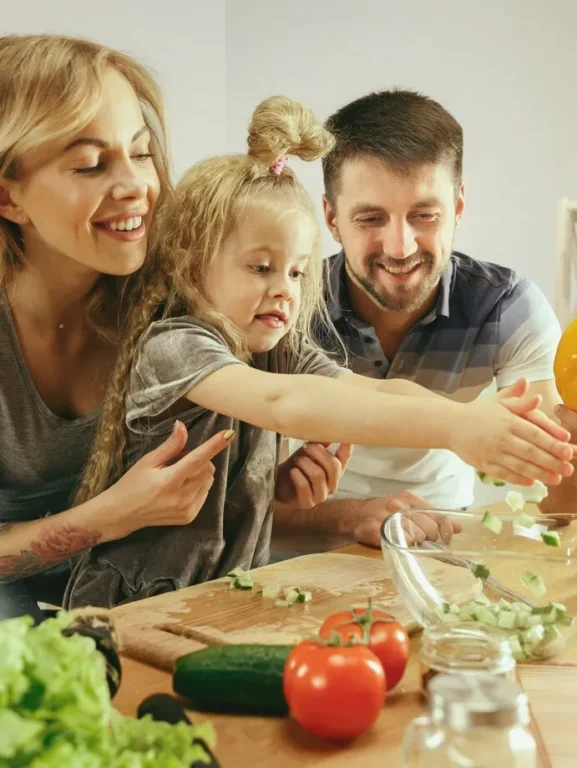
point(497, 572)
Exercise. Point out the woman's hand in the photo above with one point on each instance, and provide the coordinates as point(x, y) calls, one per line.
point(166, 486)
point(311, 474)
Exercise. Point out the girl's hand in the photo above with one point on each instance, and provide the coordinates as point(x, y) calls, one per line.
point(311, 474)
point(166, 486)
point(508, 437)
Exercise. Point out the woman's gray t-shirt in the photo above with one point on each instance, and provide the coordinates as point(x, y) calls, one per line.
point(41, 454)
point(233, 527)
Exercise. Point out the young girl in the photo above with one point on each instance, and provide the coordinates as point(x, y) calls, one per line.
point(82, 165)
point(240, 248)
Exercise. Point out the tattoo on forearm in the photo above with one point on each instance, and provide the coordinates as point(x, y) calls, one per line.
point(57, 545)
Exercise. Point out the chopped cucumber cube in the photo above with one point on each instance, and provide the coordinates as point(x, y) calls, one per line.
point(480, 571)
point(240, 579)
point(492, 522)
point(515, 646)
point(526, 521)
point(551, 538)
point(282, 603)
point(291, 596)
point(454, 608)
point(468, 612)
point(490, 479)
point(506, 620)
point(515, 500)
point(488, 618)
point(534, 583)
point(552, 644)
point(304, 597)
point(522, 620)
point(534, 532)
point(533, 636)
point(505, 605)
point(450, 619)
point(271, 592)
point(535, 493)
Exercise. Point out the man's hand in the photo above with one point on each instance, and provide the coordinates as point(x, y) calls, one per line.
point(422, 525)
point(311, 474)
point(563, 498)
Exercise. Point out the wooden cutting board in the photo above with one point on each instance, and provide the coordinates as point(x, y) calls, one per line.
point(159, 630)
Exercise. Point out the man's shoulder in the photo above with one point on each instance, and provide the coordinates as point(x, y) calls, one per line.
point(478, 283)
point(484, 275)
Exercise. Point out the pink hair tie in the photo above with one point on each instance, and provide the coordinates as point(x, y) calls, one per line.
point(278, 165)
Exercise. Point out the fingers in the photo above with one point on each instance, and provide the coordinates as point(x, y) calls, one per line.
point(170, 449)
point(518, 389)
point(303, 489)
point(507, 475)
point(548, 425)
point(537, 447)
point(343, 454)
point(318, 478)
point(201, 456)
point(567, 418)
point(408, 500)
point(328, 467)
point(522, 405)
point(432, 527)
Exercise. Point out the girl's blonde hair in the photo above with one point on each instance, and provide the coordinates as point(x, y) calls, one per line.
point(206, 207)
point(50, 89)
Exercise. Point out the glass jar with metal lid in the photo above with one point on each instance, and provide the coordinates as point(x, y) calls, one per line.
point(477, 721)
point(464, 649)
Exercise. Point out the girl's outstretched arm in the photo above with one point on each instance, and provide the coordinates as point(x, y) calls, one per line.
point(486, 434)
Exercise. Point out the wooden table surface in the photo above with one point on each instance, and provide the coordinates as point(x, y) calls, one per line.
point(253, 742)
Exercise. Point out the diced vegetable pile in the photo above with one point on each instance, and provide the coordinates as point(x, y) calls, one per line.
point(55, 708)
point(284, 597)
point(533, 633)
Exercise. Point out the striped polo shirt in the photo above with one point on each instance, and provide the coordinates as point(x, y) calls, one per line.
point(488, 325)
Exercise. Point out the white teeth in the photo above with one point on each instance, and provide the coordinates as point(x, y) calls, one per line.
point(125, 226)
point(401, 271)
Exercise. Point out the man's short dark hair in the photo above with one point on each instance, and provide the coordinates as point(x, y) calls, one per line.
point(402, 128)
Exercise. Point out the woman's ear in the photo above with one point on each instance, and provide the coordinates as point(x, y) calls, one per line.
point(8, 208)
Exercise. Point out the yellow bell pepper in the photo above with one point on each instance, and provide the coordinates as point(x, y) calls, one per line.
point(565, 366)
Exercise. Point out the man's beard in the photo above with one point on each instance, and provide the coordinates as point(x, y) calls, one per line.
point(402, 298)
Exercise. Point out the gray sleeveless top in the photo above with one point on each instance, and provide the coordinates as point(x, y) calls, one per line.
point(41, 454)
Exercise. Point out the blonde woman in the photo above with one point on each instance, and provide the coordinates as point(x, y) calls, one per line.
point(240, 248)
point(82, 168)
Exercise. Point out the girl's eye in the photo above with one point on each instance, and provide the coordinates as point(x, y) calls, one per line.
point(142, 158)
point(260, 269)
point(297, 274)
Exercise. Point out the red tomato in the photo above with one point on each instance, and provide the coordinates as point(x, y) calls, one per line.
point(386, 638)
point(335, 692)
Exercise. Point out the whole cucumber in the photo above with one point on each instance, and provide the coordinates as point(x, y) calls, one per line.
point(234, 679)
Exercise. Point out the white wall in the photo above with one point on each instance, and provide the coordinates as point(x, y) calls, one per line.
point(183, 42)
point(504, 68)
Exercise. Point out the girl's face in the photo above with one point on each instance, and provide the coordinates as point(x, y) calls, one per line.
point(255, 280)
point(89, 199)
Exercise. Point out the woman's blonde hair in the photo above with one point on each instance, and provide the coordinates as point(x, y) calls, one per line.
point(50, 88)
point(193, 226)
